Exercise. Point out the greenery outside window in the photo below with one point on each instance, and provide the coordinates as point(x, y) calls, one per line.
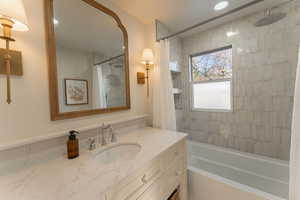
point(211, 80)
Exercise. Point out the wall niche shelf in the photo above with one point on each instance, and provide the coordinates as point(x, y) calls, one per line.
point(174, 67)
point(175, 72)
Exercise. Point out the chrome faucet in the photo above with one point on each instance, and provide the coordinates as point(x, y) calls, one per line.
point(103, 140)
point(103, 128)
point(113, 136)
point(92, 144)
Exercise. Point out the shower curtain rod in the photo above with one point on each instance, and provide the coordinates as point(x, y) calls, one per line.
point(209, 20)
point(110, 59)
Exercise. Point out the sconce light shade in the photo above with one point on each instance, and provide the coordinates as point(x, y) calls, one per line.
point(148, 57)
point(14, 10)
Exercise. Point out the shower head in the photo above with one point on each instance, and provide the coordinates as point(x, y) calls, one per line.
point(270, 18)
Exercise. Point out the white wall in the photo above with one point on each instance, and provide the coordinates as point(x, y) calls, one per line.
point(28, 115)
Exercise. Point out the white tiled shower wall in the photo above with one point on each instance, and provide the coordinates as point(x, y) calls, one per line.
point(264, 71)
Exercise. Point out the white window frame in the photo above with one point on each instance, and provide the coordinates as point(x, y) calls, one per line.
point(191, 83)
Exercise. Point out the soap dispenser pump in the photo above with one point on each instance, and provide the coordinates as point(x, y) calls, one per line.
point(73, 145)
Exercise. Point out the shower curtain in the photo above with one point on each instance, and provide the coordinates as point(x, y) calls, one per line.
point(163, 100)
point(99, 99)
point(295, 146)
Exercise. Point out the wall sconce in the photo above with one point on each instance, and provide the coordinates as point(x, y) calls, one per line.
point(12, 17)
point(147, 60)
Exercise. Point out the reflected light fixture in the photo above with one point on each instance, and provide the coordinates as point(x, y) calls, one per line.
point(221, 5)
point(55, 21)
point(12, 18)
point(147, 60)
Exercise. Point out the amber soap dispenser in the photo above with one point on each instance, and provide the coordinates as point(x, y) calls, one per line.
point(73, 145)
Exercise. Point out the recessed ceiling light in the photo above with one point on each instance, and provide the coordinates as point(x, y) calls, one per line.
point(221, 5)
point(232, 33)
point(55, 21)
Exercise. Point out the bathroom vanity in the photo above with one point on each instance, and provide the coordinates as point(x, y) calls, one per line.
point(157, 178)
point(143, 164)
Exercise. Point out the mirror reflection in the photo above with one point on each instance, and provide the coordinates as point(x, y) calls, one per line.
point(90, 57)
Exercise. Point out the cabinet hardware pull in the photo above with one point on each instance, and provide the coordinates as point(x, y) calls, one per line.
point(144, 179)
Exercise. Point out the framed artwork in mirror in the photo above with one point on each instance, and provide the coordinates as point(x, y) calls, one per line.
point(76, 92)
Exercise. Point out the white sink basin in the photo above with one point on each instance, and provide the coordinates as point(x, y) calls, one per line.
point(119, 152)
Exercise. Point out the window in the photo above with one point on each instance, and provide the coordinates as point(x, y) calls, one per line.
point(211, 74)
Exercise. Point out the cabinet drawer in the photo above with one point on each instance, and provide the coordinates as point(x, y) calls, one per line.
point(153, 192)
point(134, 185)
point(171, 178)
point(172, 154)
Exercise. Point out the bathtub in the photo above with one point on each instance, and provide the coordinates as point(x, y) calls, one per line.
point(220, 173)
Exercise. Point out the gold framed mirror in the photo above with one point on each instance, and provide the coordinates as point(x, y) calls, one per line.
point(88, 62)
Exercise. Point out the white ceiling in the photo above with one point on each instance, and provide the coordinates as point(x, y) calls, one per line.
point(179, 14)
point(84, 28)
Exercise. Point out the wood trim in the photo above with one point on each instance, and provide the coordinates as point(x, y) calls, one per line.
point(55, 114)
point(52, 70)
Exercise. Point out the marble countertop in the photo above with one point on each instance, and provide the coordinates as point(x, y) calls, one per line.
point(45, 177)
